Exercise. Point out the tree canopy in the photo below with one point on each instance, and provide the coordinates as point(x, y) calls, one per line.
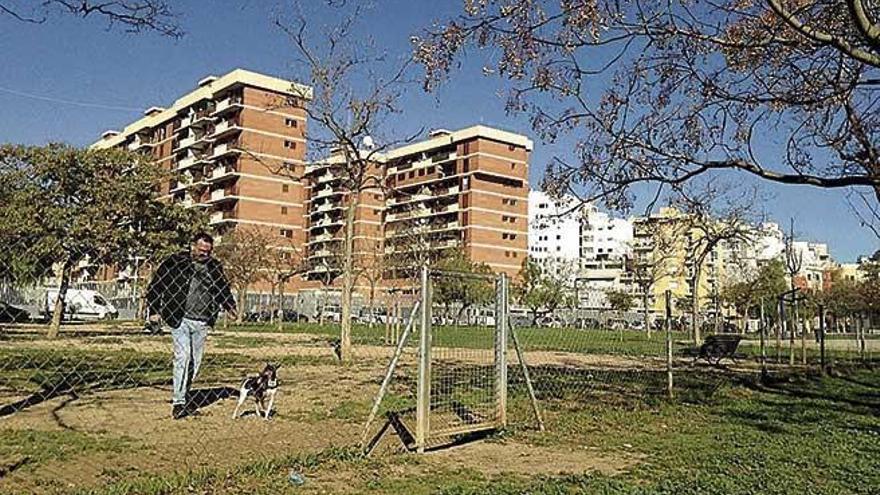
point(688, 88)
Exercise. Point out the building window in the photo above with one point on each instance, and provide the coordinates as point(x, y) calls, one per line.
point(291, 123)
point(287, 233)
point(512, 166)
point(284, 210)
point(285, 188)
point(290, 144)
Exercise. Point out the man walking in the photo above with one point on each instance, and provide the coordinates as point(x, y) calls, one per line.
point(187, 292)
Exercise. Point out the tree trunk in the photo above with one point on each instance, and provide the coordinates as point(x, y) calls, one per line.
point(280, 308)
point(347, 278)
point(242, 304)
point(58, 310)
point(370, 310)
point(272, 304)
point(647, 313)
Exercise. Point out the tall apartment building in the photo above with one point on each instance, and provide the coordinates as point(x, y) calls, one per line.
point(606, 244)
point(234, 146)
point(661, 261)
point(464, 189)
point(554, 231)
point(327, 201)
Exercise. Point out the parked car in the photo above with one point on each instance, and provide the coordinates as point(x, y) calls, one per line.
point(13, 314)
point(550, 321)
point(258, 316)
point(81, 304)
point(291, 315)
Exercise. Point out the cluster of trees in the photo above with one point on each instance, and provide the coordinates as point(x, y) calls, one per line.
point(853, 298)
point(253, 254)
point(544, 290)
point(61, 206)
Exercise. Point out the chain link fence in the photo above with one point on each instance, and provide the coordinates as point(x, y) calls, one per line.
point(92, 403)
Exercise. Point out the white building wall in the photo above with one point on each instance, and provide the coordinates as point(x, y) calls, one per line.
point(554, 230)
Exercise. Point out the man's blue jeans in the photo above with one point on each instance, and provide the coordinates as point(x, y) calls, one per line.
point(189, 346)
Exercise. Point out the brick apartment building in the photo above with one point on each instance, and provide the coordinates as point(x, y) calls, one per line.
point(236, 145)
point(237, 148)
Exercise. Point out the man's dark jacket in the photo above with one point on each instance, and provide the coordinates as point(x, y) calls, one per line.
point(167, 292)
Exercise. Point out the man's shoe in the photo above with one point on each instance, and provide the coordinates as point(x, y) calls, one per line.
point(179, 411)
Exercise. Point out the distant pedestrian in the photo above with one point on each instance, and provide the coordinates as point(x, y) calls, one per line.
point(187, 291)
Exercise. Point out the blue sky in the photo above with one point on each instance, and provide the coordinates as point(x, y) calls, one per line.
point(81, 61)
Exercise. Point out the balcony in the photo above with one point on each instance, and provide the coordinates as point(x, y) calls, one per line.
point(223, 172)
point(422, 213)
point(327, 177)
point(231, 103)
point(190, 202)
point(221, 216)
point(325, 192)
point(402, 199)
point(327, 221)
point(218, 195)
point(420, 231)
point(140, 143)
point(225, 149)
point(192, 159)
point(225, 128)
point(325, 237)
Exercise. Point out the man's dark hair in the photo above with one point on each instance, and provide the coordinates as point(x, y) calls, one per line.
point(203, 236)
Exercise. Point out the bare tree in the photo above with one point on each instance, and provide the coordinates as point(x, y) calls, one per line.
point(794, 262)
point(652, 259)
point(694, 86)
point(135, 16)
point(713, 216)
point(246, 252)
point(356, 88)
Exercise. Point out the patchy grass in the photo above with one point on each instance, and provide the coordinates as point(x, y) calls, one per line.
point(37, 446)
point(792, 435)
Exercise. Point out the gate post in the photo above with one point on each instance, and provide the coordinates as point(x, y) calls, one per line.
point(423, 398)
point(501, 324)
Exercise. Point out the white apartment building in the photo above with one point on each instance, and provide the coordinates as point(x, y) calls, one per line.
point(554, 231)
point(605, 245)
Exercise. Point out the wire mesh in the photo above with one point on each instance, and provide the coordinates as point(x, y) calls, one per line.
point(463, 375)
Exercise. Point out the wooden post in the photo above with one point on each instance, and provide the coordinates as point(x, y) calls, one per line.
point(822, 339)
point(669, 344)
point(423, 397)
point(763, 331)
point(501, 321)
point(780, 327)
point(860, 326)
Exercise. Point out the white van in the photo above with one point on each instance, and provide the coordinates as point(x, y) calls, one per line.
point(82, 304)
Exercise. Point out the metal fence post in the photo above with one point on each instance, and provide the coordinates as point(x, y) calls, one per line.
point(501, 322)
point(822, 338)
point(669, 343)
point(423, 399)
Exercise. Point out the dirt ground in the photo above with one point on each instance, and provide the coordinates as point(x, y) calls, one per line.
point(318, 406)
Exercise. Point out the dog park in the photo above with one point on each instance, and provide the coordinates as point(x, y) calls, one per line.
point(586, 410)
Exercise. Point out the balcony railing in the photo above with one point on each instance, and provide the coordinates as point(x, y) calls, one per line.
point(224, 127)
point(422, 212)
point(222, 171)
point(226, 104)
point(224, 149)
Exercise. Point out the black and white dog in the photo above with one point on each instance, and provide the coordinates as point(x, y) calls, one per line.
point(262, 386)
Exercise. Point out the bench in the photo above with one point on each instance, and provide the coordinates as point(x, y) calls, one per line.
point(717, 347)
